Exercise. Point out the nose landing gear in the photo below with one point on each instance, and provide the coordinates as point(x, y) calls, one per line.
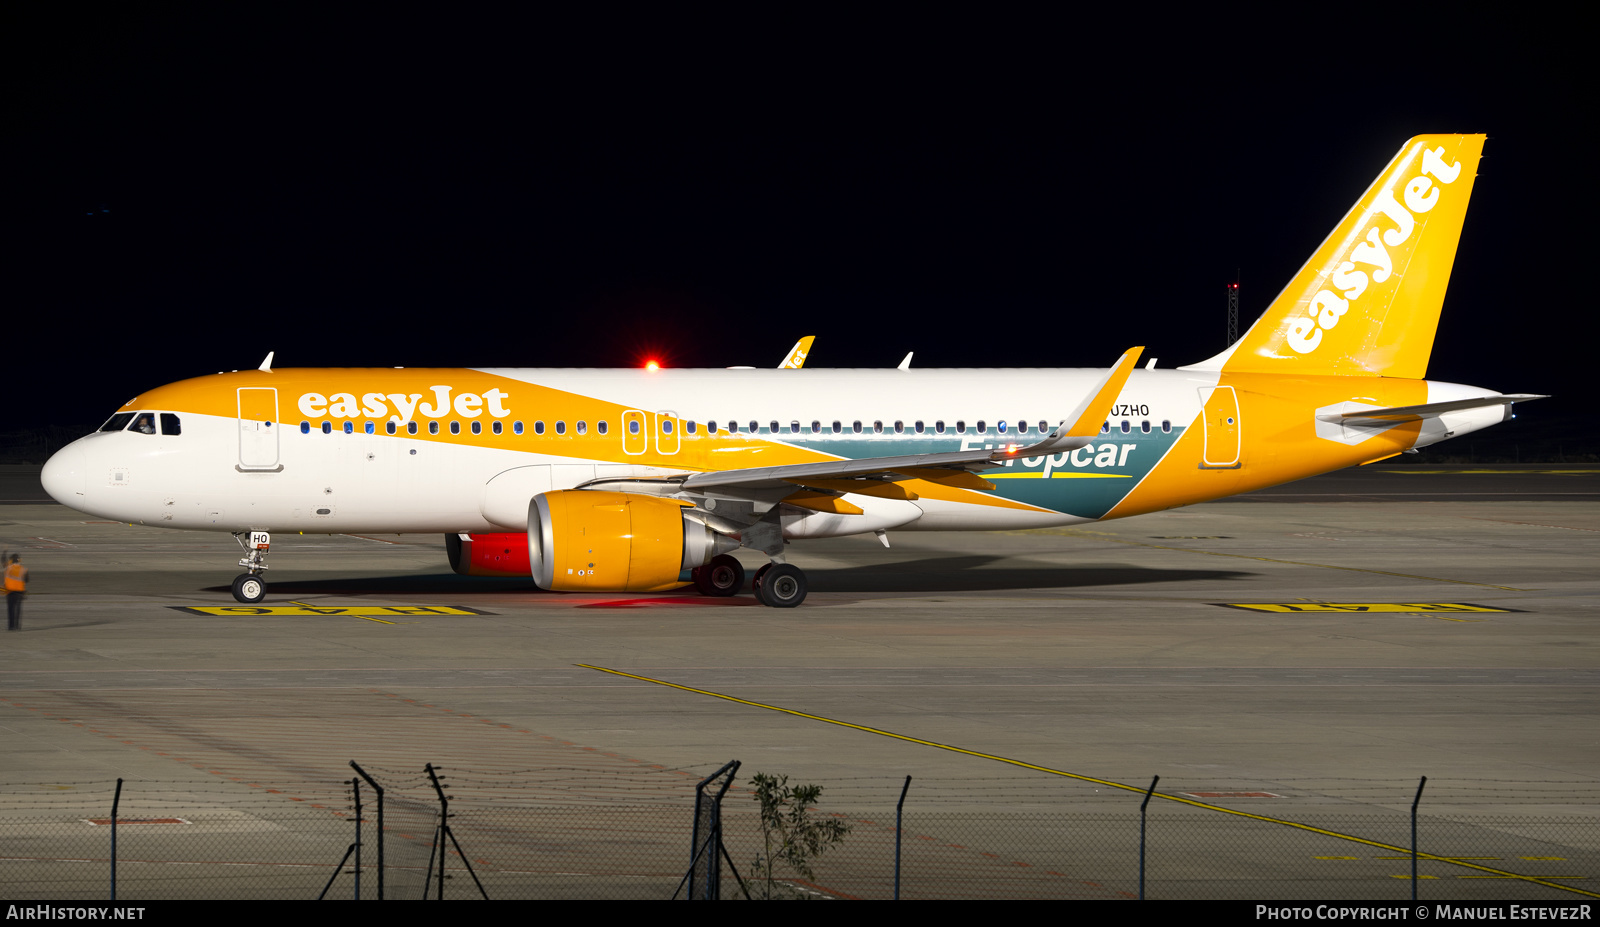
point(249, 587)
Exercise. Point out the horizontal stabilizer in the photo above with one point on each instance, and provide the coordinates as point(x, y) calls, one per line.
point(1413, 413)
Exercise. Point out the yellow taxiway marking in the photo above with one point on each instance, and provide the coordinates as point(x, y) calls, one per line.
point(1404, 607)
point(1082, 778)
point(376, 613)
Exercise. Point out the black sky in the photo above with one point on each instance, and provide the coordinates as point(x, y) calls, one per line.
point(194, 186)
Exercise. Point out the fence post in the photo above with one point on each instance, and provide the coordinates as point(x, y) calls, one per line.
point(115, 800)
point(379, 789)
point(1142, 806)
point(355, 793)
point(899, 810)
point(1414, 802)
point(707, 887)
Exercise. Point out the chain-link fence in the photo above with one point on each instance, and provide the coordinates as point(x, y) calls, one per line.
point(992, 838)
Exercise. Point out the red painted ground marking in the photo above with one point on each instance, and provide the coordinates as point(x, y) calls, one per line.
point(1015, 863)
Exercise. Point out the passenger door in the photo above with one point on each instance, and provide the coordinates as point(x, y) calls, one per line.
point(1222, 428)
point(258, 429)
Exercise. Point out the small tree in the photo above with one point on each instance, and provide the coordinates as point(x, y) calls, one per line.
point(789, 835)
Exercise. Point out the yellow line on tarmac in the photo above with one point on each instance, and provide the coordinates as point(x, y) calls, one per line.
point(1105, 782)
point(366, 617)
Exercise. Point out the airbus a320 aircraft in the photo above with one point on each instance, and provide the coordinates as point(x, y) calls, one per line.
point(644, 480)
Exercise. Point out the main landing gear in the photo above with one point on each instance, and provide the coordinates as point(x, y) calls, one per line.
point(780, 585)
point(249, 587)
point(776, 585)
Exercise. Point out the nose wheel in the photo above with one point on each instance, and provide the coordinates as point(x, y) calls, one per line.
point(249, 588)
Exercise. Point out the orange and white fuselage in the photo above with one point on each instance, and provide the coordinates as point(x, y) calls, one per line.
point(1331, 375)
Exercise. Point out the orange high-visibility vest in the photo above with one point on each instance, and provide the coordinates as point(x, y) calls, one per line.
point(16, 578)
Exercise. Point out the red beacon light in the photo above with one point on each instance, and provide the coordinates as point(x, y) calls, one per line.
point(652, 365)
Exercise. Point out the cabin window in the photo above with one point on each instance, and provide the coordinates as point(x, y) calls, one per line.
point(961, 428)
point(561, 428)
point(516, 428)
point(877, 428)
point(1044, 426)
point(794, 428)
point(755, 427)
point(411, 428)
point(1144, 427)
point(666, 426)
point(369, 428)
point(1022, 427)
point(711, 427)
point(938, 427)
point(600, 426)
point(455, 427)
point(919, 427)
point(388, 427)
point(855, 427)
point(327, 428)
point(538, 428)
point(816, 428)
point(837, 428)
point(1166, 426)
point(899, 428)
point(633, 426)
point(981, 428)
point(305, 428)
point(733, 427)
point(144, 423)
point(1126, 427)
point(774, 427)
point(433, 428)
point(1000, 426)
point(169, 424)
point(1105, 428)
point(477, 428)
point(583, 428)
point(117, 422)
point(348, 428)
point(496, 428)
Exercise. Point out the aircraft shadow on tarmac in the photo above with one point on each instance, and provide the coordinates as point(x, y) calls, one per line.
point(943, 574)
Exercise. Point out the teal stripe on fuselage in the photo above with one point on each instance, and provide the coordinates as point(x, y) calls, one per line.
point(1087, 482)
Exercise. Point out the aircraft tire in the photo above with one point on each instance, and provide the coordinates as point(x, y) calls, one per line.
point(780, 585)
point(249, 588)
point(723, 576)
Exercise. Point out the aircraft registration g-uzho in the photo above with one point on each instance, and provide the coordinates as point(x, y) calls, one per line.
point(642, 480)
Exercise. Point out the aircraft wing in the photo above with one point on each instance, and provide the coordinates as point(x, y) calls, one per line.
point(951, 468)
point(1414, 413)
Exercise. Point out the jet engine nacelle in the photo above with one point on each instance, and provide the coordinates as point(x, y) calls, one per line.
point(589, 540)
point(488, 554)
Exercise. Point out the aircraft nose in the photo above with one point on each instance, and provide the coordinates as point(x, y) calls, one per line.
point(66, 474)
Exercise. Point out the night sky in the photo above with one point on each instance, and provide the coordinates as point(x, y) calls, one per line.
point(191, 187)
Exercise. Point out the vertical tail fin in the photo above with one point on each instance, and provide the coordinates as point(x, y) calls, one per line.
point(1367, 302)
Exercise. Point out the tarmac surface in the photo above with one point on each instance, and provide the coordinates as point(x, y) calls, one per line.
point(1065, 667)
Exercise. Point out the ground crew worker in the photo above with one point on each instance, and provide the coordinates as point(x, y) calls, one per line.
point(16, 585)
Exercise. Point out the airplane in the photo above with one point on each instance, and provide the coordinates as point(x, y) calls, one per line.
point(630, 480)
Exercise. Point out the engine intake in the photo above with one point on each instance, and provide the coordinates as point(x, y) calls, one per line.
point(597, 541)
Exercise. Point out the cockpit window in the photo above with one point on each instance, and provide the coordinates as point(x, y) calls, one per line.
point(170, 424)
point(144, 423)
point(117, 422)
